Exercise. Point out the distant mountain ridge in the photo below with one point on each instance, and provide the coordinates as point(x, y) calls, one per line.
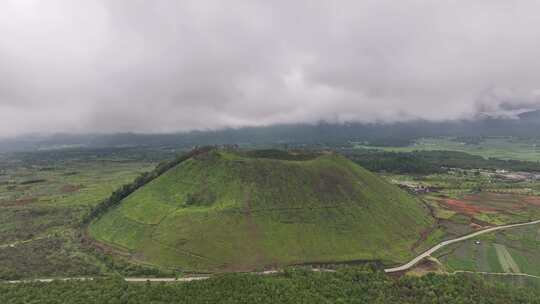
point(530, 116)
point(525, 125)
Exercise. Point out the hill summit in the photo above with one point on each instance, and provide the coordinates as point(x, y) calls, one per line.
point(236, 211)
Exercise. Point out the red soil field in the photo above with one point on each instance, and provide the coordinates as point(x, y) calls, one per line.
point(70, 188)
point(463, 207)
point(475, 203)
point(532, 200)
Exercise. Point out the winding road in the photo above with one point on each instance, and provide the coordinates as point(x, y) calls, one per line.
point(508, 274)
point(452, 241)
point(403, 267)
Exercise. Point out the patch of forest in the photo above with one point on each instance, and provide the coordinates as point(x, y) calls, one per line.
point(430, 162)
point(349, 285)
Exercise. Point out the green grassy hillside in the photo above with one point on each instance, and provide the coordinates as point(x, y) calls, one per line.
point(225, 211)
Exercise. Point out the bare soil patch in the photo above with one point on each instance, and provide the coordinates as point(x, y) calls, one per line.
point(70, 188)
point(476, 203)
point(532, 200)
point(20, 202)
point(465, 208)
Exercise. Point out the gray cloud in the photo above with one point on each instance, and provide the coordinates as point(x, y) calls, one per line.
point(161, 66)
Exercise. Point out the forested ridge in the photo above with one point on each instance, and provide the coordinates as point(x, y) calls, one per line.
point(350, 285)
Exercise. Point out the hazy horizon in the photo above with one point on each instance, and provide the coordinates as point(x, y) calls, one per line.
point(173, 66)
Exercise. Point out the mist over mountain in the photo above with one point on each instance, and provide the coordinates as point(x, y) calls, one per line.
point(175, 66)
point(525, 124)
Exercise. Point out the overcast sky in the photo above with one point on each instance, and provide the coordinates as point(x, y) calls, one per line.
point(163, 66)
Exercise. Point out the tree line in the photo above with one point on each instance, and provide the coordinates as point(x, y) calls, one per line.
point(348, 285)
point(118, 195)
point(430, 162)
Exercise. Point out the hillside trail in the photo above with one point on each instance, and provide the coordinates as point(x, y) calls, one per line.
point(17, 243)
point(253, 232)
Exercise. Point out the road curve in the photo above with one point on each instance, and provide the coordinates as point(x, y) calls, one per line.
point(452, 241)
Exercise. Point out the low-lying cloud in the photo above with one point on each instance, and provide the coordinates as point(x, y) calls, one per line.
point(163, 66)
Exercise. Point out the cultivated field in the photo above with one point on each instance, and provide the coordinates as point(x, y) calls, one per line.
point(509, 251)
point(44, 196)
point(463, 201)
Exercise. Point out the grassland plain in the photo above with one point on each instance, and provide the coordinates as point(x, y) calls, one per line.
point(229, 211)
point(495, 147)
point(44, 196)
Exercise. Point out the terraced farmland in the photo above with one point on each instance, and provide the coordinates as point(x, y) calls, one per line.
point(514, 250)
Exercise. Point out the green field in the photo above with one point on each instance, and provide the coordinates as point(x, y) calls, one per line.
point(496, 147)
point(505, 259)
point(44, 196)
point(514, 250)
point(463, 201)
point(225, 211)
point(276, 208)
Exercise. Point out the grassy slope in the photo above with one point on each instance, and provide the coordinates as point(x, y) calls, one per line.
point(222, 211)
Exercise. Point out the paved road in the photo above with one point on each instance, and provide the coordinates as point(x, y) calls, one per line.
point(498, 273)
point(135, 280)
point(452, 241)
point(388, 270)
